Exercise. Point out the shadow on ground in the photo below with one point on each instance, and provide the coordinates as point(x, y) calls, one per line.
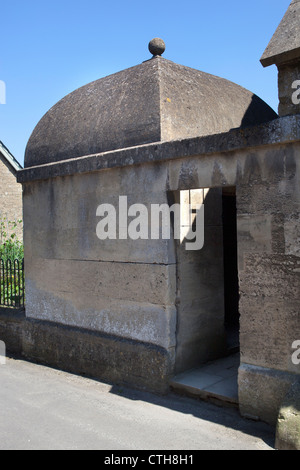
point(227, 416)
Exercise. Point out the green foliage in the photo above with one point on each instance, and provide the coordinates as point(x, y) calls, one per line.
point(11, 264)
point(10, 247)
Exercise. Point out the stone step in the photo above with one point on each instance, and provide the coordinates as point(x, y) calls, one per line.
point(214, 381)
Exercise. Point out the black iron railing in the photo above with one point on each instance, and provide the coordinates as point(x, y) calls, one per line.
point(12, 283)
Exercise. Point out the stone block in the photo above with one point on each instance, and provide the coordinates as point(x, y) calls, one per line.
point(63, 224)
point(133, 282)
point(261, 392)
point(104, 357)
point(288, 424)
point(269, 308)
point(11, 327)
point(254, 234)
point(95, 296)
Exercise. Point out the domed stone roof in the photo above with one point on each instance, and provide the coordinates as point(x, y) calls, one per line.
point(157, 100)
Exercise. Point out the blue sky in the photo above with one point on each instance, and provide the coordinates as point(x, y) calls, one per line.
point(49, 49)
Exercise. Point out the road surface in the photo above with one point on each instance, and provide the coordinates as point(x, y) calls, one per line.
point(47, 409)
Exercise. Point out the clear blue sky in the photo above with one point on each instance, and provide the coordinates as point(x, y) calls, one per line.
point(50, 48)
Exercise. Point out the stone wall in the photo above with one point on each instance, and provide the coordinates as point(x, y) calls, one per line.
point(12, 323)
point(124, 289)
point(269, 271)
point(288, 85)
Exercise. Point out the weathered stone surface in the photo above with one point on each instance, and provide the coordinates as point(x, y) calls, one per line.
point(278, 131)
point(144, 283)
point(288, 84)
point(261, 392)
point(156, 46)
point(106, 357)
point(285, 43)
point(148, 323)
point(82, 351)
point(254, 232)
point(269, 307)
point(151, 102)
point(11, 328)
point(288, 424)
point(126, 300)
point(118, 111)
point(292, 233)
point(63, 218)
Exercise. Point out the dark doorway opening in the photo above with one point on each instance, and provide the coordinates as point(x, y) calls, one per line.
point(207, 349)
point(230, 257)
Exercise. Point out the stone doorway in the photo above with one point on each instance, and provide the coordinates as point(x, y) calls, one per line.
point(207, 348)
point(231, 283)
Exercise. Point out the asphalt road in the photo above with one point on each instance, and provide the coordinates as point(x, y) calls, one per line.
point(46, 409)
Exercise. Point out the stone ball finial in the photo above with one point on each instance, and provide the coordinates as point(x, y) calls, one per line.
point(156, 46)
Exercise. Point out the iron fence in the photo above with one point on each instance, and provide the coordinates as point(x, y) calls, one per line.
point(12, 283)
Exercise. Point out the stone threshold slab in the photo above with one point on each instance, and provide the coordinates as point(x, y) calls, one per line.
point(215, 380)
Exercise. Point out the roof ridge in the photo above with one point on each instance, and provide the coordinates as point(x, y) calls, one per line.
point(9, 157)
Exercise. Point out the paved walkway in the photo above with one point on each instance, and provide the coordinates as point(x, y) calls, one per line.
point(46, 409)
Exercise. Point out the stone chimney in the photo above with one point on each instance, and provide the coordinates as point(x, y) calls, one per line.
point(284, 51)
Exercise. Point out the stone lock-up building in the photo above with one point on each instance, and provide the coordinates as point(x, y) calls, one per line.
point(144, 310)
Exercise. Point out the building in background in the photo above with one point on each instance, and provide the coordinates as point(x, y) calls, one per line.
point(10, 192)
